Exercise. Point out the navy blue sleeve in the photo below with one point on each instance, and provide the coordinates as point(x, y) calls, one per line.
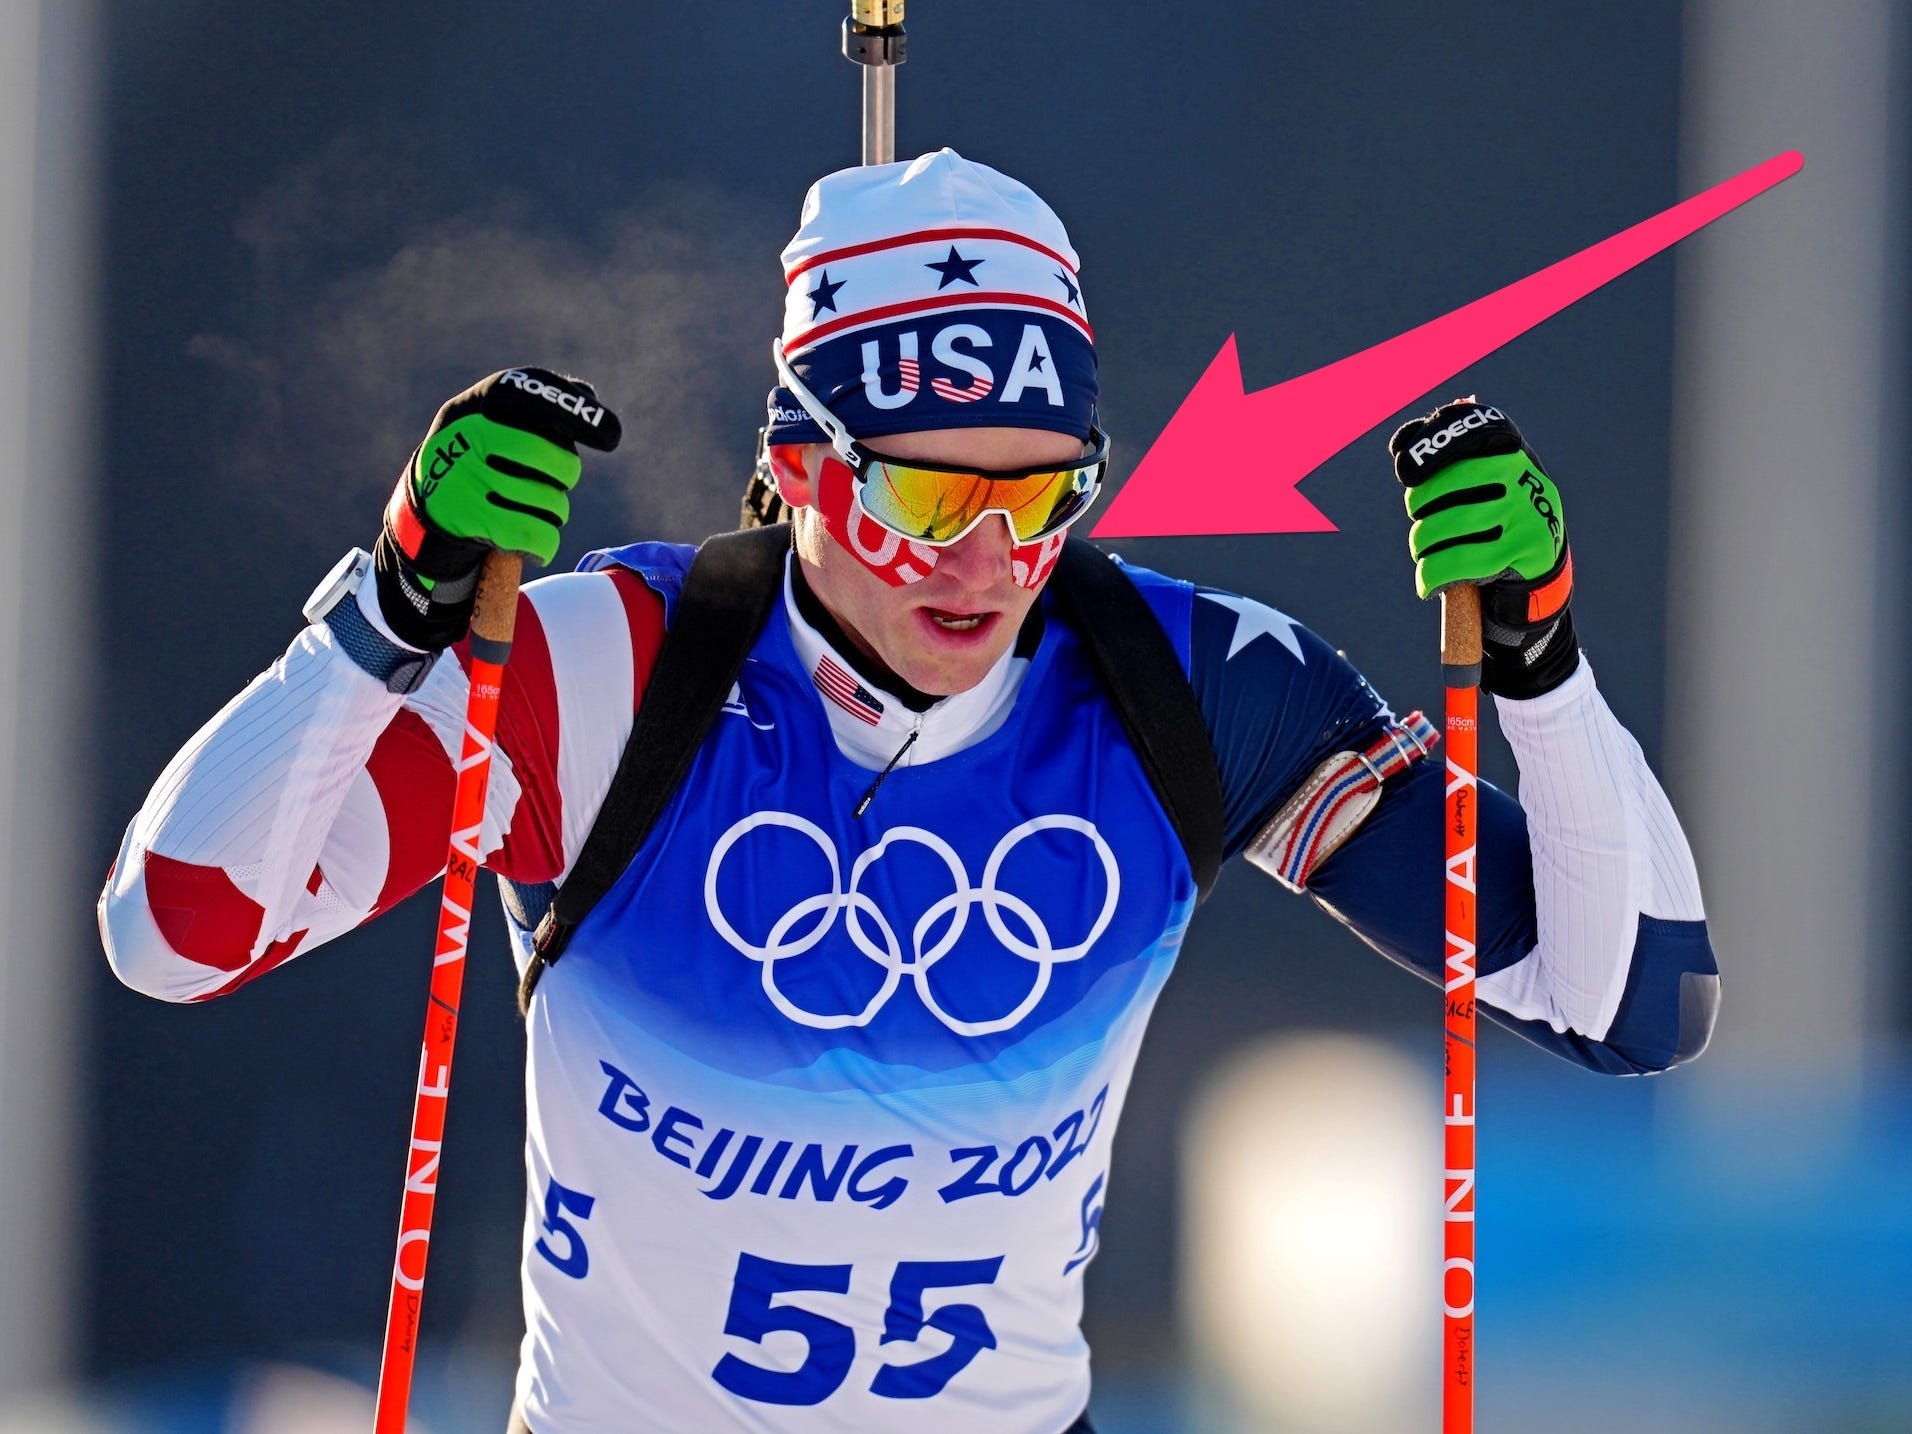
point(1278, 701)
point(1663, 1017)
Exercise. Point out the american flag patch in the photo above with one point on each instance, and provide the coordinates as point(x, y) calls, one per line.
point(844, 690)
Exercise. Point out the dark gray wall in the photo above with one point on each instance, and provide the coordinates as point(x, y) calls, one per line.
point(324, 219)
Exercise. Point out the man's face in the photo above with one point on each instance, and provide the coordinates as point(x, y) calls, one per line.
point(942, 633)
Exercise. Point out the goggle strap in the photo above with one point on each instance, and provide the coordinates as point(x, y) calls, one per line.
point(839, 436)
point(846, 446)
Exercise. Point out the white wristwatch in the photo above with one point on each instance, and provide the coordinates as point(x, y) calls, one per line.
point(342, 582)
point(334, 602)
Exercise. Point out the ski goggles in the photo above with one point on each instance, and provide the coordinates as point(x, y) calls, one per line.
point(934, 504)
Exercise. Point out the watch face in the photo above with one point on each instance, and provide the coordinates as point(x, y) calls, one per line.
point(341, 582)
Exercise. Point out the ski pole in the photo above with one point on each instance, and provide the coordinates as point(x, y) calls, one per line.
point(873, 37)
point(491, 625)
point(1460, 670)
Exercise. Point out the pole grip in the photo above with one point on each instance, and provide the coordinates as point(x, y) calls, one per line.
point(1460, 635)
point(495, 614)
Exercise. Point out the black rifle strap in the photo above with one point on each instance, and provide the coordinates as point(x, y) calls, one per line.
point(727, 595)
point(1144, 679)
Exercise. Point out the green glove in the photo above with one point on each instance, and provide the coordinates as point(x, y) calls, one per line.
point(1485, 512)
point(494, 473)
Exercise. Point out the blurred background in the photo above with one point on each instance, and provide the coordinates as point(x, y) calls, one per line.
point(247, 248)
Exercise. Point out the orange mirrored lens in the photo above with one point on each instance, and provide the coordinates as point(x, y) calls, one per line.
point(937, 507)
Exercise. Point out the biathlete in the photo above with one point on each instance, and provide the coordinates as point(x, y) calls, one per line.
point(822, 1092)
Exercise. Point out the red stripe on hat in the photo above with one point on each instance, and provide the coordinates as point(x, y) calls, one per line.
point(414, 780)
point(921, 236)
point(987, 299)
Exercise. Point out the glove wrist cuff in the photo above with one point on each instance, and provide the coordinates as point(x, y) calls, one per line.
point(427, 615)
point(1519, 606)
point(429, 549)
point(1528, 643)
point(1545, 657)
point(427, 579)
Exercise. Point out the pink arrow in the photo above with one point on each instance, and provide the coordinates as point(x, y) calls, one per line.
point(1194, 479)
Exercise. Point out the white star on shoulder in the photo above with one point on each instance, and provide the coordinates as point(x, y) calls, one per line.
point(1252, 619)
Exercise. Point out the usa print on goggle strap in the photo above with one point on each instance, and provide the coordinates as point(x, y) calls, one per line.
point(951, 912)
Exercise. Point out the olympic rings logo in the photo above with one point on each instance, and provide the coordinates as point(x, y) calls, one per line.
point(870, 931)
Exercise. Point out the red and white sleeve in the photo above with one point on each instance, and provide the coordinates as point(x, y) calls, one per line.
point(316, 799)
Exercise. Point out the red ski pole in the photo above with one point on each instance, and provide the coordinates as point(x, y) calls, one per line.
point(491, 626)
point(1460, 668)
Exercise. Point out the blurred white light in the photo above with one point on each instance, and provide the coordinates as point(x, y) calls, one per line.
point(54, 1413)
point(49, 163)
point(1311, 1199)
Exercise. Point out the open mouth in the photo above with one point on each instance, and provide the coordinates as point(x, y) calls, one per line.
point(957, 622)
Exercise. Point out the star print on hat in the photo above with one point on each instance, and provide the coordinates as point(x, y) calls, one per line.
point(937, 293)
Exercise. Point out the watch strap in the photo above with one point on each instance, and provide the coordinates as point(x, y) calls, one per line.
point(399, 668)
point(336, 604)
